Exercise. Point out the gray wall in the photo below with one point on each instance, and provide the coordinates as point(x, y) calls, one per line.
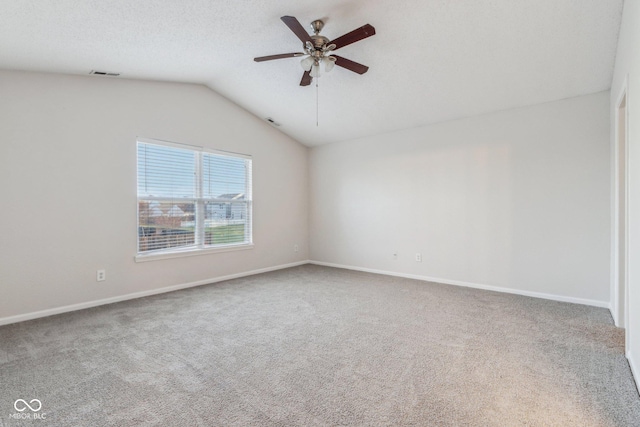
point(68, 174)
point(517, 200)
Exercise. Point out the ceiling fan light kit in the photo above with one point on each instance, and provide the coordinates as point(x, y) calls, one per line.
point(319, 49)
point(307, 63)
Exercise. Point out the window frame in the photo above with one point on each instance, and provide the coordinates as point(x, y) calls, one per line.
point(199, 247)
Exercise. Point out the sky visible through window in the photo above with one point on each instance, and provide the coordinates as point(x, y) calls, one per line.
point(171, 172)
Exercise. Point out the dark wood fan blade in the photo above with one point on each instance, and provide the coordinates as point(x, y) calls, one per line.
point(306, 79)
point(297, 28)
point(350, 65)
point(354, 36)
point(281, 56)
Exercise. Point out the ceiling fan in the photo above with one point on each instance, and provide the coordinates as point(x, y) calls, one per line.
point(318, 49)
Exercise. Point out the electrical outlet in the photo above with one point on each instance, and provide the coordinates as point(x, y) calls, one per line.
point(295, 248)
point(418, 257)
point(395, 256)
point(101, 275)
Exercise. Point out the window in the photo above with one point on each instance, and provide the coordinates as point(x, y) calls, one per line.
point(191, 199)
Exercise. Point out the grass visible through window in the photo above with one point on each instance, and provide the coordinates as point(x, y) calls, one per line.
point(224, 234)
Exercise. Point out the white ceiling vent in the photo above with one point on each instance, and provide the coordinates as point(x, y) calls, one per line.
point(272, 122)
point(103, 73)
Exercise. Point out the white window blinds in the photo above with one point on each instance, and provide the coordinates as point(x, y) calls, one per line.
point(190, 198)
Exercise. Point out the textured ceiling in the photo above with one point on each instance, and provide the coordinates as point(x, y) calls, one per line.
point(430, 61)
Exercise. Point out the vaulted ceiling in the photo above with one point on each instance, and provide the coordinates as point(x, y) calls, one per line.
point(430, 61)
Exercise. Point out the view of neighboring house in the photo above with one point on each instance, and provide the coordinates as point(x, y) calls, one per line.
point(226, 210)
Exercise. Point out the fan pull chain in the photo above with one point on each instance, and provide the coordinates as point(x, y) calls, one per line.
point(317, 102)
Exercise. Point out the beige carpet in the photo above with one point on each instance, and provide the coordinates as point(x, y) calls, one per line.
point(319, 346)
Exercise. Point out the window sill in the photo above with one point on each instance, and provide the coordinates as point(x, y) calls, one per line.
point(193, 252)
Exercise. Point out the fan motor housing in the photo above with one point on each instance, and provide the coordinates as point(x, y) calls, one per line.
point(319, 41)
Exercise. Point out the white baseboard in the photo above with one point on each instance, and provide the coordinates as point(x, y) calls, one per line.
point(634, 370)
point(95, 303)
point(613, 316)
point(595, 303)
